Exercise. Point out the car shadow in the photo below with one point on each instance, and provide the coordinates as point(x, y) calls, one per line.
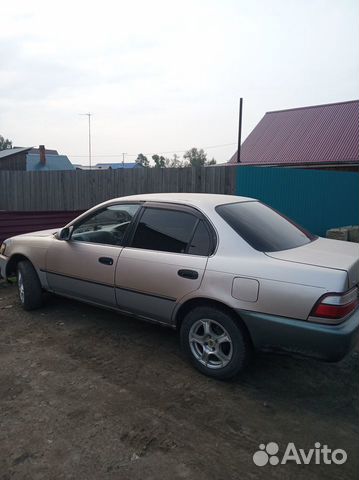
point(289, 382)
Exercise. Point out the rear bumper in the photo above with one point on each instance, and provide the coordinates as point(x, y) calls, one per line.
point(327, 342)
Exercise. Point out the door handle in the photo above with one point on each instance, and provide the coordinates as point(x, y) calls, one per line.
point(106, 260)
point(192, 274)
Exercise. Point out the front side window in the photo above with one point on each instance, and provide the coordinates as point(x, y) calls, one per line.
point(164, 230)
point(107, 226)
point(262, 227)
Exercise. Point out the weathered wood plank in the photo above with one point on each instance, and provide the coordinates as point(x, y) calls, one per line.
point(81, 189)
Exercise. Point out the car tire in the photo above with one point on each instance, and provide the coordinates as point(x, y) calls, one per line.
point(215, 342)
point(29, 286)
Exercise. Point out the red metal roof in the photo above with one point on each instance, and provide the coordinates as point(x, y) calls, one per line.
point(316, 134)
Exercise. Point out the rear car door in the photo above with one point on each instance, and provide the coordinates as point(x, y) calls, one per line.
point(84, 266)
point(164, 261)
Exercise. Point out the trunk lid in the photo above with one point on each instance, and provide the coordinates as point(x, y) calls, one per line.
point(326, 253)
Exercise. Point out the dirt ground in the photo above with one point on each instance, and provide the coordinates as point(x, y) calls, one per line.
point(88, 394)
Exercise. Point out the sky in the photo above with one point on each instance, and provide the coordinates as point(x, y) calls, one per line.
point(165, 76)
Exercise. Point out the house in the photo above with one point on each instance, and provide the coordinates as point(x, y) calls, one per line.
point(33, 159)
point(320, 136)
point(13, 158)
point(116, 166)
point(108, 166)
point(78, 166)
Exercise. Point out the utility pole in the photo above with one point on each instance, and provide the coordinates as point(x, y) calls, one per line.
point(89, 129)
point(123, 158)
point(239, 130)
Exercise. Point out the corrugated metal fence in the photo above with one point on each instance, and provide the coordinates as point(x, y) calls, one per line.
point(16, 223)
point(316, 199)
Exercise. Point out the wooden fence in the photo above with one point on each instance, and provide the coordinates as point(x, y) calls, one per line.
point(81, 189)
point(316, 199)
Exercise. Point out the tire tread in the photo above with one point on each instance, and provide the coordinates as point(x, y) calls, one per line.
point(32, 286)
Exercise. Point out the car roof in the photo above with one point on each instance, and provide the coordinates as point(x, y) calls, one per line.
point(202, 200)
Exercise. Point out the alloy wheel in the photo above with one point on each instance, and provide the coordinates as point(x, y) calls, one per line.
point(20, 284)
point(210, 343)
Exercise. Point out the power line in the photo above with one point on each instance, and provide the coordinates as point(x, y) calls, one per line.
point(154, 153)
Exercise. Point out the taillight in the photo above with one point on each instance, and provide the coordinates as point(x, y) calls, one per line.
point(334, 307)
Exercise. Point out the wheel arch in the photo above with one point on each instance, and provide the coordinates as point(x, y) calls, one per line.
point(12, 263)
point(207, 302)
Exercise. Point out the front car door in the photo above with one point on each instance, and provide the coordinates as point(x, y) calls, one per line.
point(164, 261)
point(84, 266)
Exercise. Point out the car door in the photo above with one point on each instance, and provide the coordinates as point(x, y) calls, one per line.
point(164, 261)
point(84, 266)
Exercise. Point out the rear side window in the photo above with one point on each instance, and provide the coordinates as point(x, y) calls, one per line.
point(164, 230)
point(201, 242)
point(262, 227)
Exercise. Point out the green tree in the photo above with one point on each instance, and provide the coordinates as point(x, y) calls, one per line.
point(160, 162)
point(196, 157)
point(211, 162)
point(5, 143)
point(142, 160)
point(176, 162)
point(164, 162)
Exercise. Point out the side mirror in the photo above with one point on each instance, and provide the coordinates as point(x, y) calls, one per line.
point(65, 233)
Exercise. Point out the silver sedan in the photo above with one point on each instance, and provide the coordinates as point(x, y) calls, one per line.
point(230, 273)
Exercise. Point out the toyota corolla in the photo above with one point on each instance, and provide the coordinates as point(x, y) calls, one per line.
point(231, 274)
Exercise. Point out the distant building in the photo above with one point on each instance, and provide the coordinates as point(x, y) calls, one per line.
point(78, 166)
point(108, 166)
point(33, 159)
point(320, 136)
point(116, 166)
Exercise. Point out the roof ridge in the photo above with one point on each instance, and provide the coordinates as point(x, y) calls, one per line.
point(7, 152)
point(313, 106)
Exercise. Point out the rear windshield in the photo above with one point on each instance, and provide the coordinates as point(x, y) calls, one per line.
point(262, 227)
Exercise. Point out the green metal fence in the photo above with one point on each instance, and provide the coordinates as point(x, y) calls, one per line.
point(316, 199)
